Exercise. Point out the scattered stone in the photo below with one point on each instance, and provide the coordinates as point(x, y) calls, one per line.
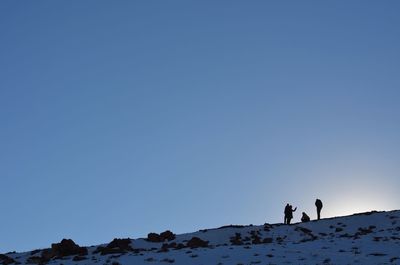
point(236, 240)
point(255, 238)
point(267, 240)
point(168, 260)
point(394, 259)
point(377, 254)
point(79, 258)
point(267, 227)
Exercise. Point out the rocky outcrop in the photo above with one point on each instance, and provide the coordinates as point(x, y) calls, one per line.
point(158, 238)
point(117, 246)
point(154, 237)
point(67, 247)
point(196, 242)
point(167, 236)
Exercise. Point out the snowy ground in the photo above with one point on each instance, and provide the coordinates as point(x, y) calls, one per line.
point(369, 238)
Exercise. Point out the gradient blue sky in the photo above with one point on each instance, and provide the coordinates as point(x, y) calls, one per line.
point(120, 118)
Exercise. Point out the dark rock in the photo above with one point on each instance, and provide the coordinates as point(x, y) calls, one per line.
point(47, 254)
point(230, 226)
point(196, 242)
point(364, 231)
point(67, 247)
point(267, 240)
point(367, 213)
point(5, 260)
point(180, 246)
point(167, 235)
point(307, 232)
point(36, 260)
point(164, 236)
point(165, 247)
point(79, 258)
point(168, 260)
point(267, 227)
point(376, 254)
point(303, 229)
point(123, 244)
point(117, 246)
point(236, 240)
point(255, 238)
point(34, 252)
point(154, 237)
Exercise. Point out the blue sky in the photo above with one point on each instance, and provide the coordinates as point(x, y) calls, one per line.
point(123, 118)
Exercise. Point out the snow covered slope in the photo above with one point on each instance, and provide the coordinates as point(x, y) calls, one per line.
point(368, 238)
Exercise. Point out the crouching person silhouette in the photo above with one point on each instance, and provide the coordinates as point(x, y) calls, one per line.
point(305, 218)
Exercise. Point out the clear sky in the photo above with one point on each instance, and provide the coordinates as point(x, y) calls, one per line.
point(119, 118)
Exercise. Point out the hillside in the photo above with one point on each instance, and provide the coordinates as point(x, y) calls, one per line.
point(367, 238)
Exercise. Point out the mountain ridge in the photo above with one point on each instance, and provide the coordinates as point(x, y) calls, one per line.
point(364, 238)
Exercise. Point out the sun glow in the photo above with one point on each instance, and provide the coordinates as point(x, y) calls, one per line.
point(354, 184)
point(360, 198)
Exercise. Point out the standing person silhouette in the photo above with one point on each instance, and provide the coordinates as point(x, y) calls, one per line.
point(290, 214)
point(287, 213)
point(318, 204)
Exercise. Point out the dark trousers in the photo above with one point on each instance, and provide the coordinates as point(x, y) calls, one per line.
point(287, 220)
point(319, 213)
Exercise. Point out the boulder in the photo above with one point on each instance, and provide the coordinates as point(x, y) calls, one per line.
point(167, 235)
point(154, 237)
point(196, 242)
point(67, 247)
point(158, 238)
point(121, 243)
point(117, 246)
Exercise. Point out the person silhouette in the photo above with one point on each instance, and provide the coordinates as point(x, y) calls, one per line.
point(289, 213)
point(318, 204)
point(305, 218)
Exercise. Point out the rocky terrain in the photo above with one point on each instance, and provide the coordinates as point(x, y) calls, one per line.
point(367, 238)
